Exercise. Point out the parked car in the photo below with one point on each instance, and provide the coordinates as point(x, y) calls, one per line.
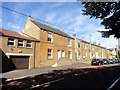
point(105, 61)
point(96, 62)
point(115, 60)
point(111, 61)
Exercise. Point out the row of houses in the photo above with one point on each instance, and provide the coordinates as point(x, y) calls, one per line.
point(40, 45)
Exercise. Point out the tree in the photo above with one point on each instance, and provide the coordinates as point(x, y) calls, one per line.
point(108, 12)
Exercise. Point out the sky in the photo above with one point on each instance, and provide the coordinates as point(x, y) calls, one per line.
point(67, 15)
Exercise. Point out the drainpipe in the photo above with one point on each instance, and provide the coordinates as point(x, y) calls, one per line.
point(34, 54)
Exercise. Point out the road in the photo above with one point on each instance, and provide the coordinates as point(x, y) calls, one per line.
point(98, 78)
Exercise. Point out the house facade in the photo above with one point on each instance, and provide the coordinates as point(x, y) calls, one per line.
point(84, 51)
point(19, 48)
point(55, 46)
point(119, 44)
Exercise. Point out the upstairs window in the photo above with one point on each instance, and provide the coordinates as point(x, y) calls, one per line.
point(85, 46)
point(49, 53)
point(69, 42)
point(29, 44)
point(78, 53)
point(78, 45)
point(20, 43)
point(11, 42)
point(50, 39)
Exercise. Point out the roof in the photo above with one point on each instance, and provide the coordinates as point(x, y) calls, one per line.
point(51, 29)
point(9, 33)
point(91, 43)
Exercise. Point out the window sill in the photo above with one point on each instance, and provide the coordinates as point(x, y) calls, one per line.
point(50, 58)
point(20, 47)
point(50, 42)
point(11, 45)
point(29, 47)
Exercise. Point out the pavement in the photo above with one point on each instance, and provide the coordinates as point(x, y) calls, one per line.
point(17, 74)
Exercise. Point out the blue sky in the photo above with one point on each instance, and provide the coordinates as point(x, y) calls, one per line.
point(63, 14)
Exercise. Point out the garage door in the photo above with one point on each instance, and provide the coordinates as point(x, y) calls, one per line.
point(21, 62)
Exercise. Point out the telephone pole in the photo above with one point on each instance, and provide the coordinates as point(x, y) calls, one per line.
point(90, 48)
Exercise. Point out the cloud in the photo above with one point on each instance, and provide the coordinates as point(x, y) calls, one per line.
point(58, 4)
point(50, 17)
point(14, 27)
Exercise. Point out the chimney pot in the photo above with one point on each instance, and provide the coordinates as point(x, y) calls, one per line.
point(74, 35)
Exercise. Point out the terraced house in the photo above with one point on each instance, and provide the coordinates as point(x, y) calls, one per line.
point(19, 48)
point(55, 47)
point(84, 51)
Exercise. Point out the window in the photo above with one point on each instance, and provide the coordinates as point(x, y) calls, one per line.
point(69, 54)
point(29, 44)
point(85, 46)
point(69, 42)
point(20, 43)
point(78, 45)
point(86, 54)
point(63, 53)
point(49, 53)
point(78, 53)
point(11, 42)
point(50, 37)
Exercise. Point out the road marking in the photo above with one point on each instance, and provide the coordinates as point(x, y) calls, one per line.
point(113, 84)
point(46, 83)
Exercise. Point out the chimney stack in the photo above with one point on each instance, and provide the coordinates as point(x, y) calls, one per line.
point(74, 35)
point(94, 42)
point(30, 18)
point(82, 38)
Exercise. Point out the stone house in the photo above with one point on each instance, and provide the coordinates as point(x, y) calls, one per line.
point(84, 51)
point(55, 47)
point(19, 48)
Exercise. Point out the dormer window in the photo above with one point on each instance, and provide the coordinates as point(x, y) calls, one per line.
point(11, 42)
point(20, 43)
point(50, 38)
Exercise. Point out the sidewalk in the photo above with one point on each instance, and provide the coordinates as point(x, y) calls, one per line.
point(31, 72)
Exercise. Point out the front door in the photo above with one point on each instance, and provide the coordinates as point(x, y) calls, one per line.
point(58, 54)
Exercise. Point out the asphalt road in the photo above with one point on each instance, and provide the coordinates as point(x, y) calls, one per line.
point(87, 78)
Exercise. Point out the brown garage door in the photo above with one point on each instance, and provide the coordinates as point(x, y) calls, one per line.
point(21, 62)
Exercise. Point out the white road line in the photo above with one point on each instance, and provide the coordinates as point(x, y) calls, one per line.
point(44, 84)
point(113, 84)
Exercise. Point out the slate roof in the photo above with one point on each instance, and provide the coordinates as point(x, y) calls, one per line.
point(9, 33)
point(51, 29)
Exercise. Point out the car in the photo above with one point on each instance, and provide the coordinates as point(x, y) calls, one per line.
point(115, 60)
point(111, 61)
point(96, 62)
point(105, 61)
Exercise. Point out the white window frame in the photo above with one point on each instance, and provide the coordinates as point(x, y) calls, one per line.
point(86, 54)
point(69, 42)
point(70, 56)
point(63, 53)
point(11, 41)
point(85, 46)
point(50, 53)
point(29, 43)
point(51, 37)
point(20, 43)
